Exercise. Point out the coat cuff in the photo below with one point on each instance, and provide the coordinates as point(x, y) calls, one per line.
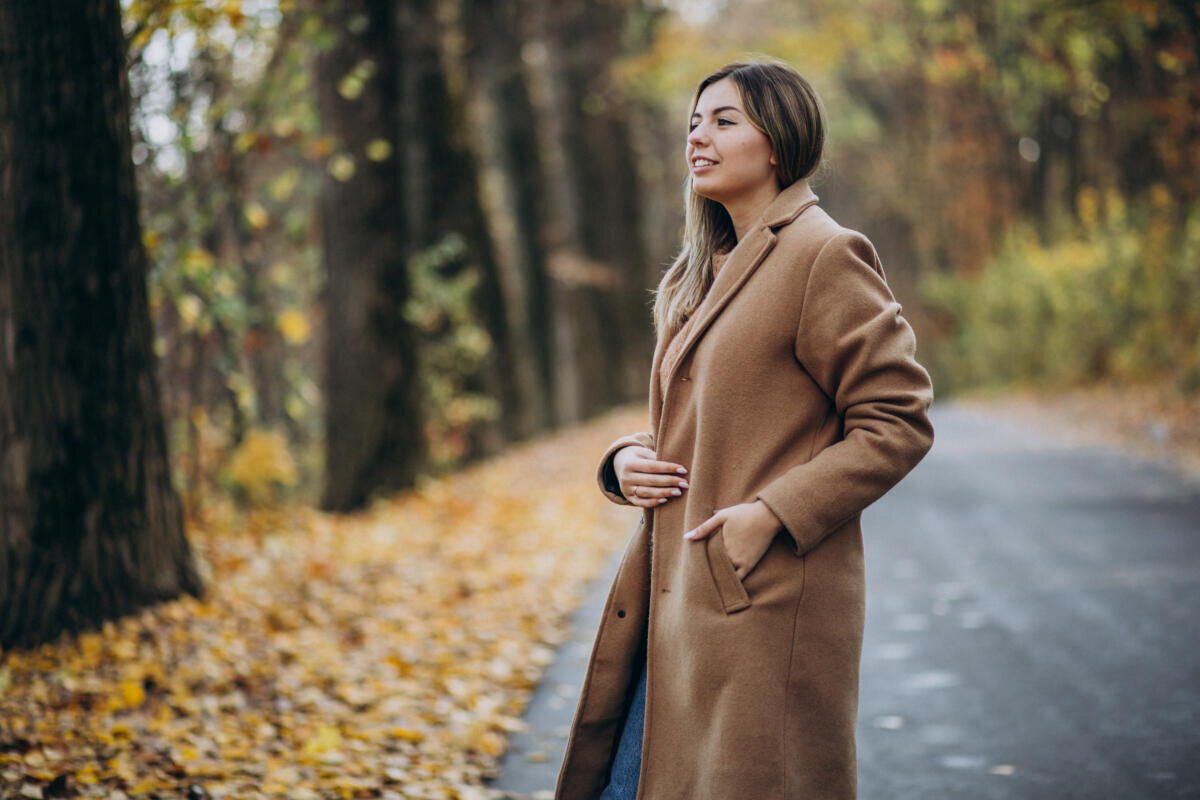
point(606, 475)
point(800, 523)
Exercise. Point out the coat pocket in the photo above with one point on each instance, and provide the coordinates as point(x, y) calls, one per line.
point(730, 589)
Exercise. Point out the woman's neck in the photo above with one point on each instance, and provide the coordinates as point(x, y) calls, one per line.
point(746, 209)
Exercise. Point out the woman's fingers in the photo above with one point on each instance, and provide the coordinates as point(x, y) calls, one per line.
point(705, 528)
point(652, 494)
point(654, 465)
point(641, 496)
point(656, 479)
point(646, 481)
point(656, 485)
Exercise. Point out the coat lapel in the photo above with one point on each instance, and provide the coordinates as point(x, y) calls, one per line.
point(743, 260)
point(656, 401)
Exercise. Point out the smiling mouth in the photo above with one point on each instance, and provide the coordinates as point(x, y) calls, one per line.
point(703, 162)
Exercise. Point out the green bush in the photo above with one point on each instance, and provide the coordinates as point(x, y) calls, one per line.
point(453, 348)
point(1120, 298)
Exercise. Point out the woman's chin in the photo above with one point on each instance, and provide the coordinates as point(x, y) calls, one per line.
point(708, 192)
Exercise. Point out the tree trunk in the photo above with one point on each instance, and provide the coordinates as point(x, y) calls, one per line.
point(90, 525)
point(373, 403)
point(506, 121)
point(598, 257)
point(443, 185)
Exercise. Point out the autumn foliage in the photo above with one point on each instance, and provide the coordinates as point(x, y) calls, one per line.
point(1114, 301)
point(381, 654)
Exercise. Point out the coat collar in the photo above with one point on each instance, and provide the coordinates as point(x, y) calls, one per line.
point(745, 257)
point(788, 204)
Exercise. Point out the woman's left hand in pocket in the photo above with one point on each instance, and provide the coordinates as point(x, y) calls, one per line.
point(749, 529)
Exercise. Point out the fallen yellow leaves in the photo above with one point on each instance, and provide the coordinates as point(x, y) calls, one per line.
point(385, 654)
point(132, 694)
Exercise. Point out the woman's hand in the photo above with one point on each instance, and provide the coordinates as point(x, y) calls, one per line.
point(749, 530)
point(646, 481)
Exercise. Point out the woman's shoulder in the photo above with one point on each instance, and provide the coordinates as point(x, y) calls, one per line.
point(815, 232)
point(813, 225)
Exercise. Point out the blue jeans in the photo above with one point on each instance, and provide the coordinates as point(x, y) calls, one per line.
point(623, 778)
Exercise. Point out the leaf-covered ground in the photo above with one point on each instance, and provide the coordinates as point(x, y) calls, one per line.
point(383, 654)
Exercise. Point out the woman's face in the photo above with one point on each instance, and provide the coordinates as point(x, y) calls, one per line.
point(728, 157)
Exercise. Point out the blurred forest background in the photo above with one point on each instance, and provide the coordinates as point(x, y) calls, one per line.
point(475, 197)
point(391, 237)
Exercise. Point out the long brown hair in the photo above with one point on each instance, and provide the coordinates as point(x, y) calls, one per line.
point(779, 102)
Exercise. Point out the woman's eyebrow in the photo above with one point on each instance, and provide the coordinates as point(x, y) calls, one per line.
point(719, 110)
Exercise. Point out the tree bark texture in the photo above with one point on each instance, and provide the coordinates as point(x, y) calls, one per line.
point(91, 527)
point(507, 139)
point(599, 256)
point(442, 182)
point(373, 438)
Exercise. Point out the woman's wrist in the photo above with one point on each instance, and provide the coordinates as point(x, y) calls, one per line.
point(768, 516)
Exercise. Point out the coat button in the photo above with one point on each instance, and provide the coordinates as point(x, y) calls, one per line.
point(621, 613)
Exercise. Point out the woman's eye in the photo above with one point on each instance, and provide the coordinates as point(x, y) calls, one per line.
point(692, 127)
point(721, 120)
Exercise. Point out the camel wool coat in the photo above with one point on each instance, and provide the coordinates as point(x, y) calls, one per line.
point(797, 385)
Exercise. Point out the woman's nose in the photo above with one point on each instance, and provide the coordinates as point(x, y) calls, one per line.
point(697, 136)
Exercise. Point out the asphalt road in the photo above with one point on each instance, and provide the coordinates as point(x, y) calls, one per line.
point(1033, 629)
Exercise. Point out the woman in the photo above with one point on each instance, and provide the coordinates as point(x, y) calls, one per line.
point(784, 398)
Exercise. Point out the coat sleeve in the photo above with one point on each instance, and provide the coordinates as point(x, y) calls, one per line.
point(606, 474)
point(853, 342)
